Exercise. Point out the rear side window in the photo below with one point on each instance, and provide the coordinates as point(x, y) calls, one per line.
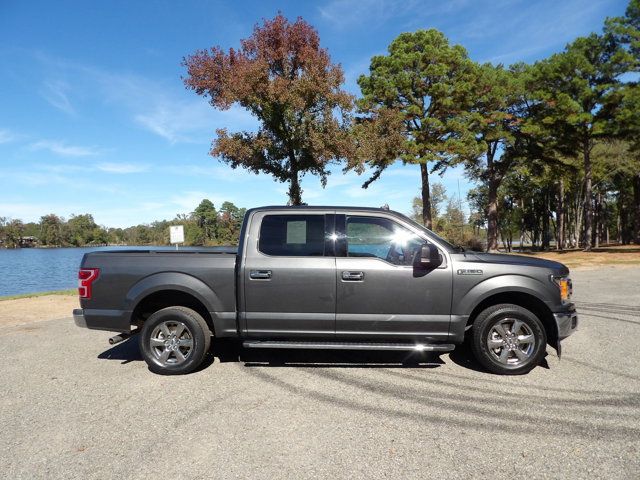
point(292, 235)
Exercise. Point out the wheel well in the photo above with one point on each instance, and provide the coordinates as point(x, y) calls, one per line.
point(531, 303)
point(168, 298)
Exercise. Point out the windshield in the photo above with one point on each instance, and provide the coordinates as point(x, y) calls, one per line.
point(429, 233)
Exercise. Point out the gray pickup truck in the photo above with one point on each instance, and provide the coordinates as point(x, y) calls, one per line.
point(329, 278)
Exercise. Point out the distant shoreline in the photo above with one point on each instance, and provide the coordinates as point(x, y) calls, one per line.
point(134, 245)
point(70, 291)
point(46, 247)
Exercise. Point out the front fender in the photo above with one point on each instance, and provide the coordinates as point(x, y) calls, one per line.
point(500, 284)
point(464, 305)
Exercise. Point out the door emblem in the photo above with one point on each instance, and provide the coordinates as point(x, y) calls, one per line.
point(468, 271)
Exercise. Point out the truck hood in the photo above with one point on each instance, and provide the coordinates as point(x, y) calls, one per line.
point(518, 260)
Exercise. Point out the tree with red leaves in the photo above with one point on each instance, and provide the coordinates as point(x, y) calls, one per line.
point(287, 81)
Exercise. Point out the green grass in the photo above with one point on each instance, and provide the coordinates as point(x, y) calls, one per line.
point(71, 291)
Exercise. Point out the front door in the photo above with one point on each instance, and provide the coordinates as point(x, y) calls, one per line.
point(380, 294)
point(290, 276)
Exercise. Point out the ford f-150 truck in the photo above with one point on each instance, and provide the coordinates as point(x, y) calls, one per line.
point(329, 278)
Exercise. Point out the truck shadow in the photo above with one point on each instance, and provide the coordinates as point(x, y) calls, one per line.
point(231, 351)
point(127, 351)
point(338, 359)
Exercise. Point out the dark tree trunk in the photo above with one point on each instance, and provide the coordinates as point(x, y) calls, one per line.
point(636, 209)
point(492, 208)
point(598, 220)
point(620, 219)
point(545, 222)
point(560, 217)
point(588, 203)
point(492, 216)
point(522, 225)
point(426, 196)
point(295, 193)
point(619, 227)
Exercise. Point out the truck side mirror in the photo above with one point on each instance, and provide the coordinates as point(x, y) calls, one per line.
point(427, 257)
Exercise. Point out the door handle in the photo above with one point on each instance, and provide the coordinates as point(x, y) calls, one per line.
point(353, 276)
point(260, 274)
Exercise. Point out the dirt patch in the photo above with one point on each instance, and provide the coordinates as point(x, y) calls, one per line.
point(36, 309)
point(618, 256)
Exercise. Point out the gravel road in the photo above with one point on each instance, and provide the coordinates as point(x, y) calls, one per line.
point(71, 407)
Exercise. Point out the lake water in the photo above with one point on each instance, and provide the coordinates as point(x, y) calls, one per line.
point(28, 270)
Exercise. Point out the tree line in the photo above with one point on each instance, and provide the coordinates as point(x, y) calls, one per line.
point(206, 225)
point(553, 147)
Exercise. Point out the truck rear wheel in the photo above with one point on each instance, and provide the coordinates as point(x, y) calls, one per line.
point(508, 339)
point(174, 340)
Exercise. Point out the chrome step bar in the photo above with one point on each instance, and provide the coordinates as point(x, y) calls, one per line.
point(301, 345)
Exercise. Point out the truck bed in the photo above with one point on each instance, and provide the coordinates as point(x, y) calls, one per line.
point(126, 274)
point(155, 250)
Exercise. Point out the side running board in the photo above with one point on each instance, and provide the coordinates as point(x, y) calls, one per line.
point(415, 347)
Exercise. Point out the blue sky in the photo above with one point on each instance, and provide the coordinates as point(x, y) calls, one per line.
point(94, 117)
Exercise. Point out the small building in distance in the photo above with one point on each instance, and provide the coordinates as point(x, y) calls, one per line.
point(26, 242)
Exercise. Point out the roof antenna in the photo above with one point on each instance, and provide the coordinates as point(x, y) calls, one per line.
point(385, 206)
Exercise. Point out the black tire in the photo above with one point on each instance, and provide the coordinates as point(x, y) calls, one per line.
point(515, 353)
point(185, 352)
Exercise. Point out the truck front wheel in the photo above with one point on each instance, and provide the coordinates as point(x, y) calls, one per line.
point(508, 339)
point(174, 340)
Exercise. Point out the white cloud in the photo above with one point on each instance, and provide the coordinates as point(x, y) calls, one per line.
point(167, 110)
point(7, 136)
point(56, 93)
point(178, 121)
point(30, 212)
point(65, 150)
point(172, 121)
point(121, 168)
point(163, 108)
point(373, 13)
point(343, 13)
point(529, 28)
point(213, 170)
point(44, 176)
point(187, 201)
point(37, 179)
point(63, 167)
point(151, 205)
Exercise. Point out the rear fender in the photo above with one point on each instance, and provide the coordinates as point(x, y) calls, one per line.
point(173, 281)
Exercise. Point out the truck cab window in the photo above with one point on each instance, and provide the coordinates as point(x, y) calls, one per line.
point(292, 235)
point(381, 238)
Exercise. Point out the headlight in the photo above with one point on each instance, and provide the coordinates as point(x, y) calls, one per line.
point(565, 287)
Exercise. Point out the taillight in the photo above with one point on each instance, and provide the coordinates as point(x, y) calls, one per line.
point(86, 277)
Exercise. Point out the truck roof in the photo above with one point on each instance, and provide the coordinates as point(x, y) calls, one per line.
point(322, 207)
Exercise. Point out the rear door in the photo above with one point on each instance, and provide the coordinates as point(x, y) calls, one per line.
point(289, 275)
point(380, 294)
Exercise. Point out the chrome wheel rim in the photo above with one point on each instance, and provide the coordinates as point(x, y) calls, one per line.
point(511, 342)
point(171, 343)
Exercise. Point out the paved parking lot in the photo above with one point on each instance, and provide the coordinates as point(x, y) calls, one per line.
point(72, 407)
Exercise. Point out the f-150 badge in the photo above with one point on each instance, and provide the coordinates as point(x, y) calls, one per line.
point(465, 271)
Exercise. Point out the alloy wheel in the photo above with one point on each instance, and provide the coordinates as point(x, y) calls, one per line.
point(511, 341)
point(171, 343)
